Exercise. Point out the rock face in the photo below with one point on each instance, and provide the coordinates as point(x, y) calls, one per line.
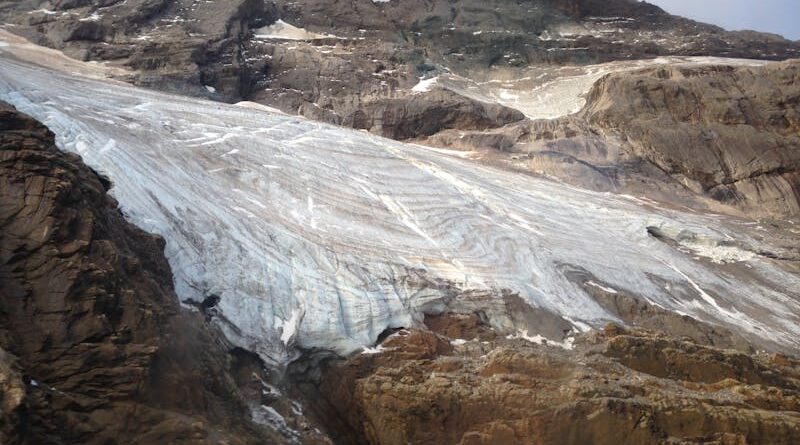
point(462, 383)
point(732, 133)
point(94, 348)
point(354, 63)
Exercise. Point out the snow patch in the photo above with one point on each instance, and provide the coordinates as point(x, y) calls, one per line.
point(281, 30)
point(267, 415)
point(376, 350)
point(290, 327)
point(92, 18)
point(425, 85)
point(258, 106)
point(538, 339)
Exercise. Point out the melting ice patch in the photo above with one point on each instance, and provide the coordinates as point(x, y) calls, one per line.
point(717, 247)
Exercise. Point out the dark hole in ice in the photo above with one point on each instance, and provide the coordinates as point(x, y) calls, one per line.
point(209, 302)
point(386, 333)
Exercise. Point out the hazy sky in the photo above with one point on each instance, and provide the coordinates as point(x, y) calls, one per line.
point(776, 16)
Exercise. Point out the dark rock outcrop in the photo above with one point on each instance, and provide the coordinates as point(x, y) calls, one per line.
point(94, 347)
point(428, 114)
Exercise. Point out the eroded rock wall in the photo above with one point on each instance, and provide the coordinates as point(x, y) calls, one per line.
point(460, 382)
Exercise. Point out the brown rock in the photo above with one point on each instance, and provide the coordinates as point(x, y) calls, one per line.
point(735, 131)
point(633, 387)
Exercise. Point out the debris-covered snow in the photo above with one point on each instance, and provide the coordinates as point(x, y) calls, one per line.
point(318, 236)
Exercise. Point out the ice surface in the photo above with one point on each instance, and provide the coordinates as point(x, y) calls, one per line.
point(319, 236)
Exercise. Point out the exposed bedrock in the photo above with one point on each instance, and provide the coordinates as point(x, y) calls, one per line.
point(721, 133)
point(94, 348)
point(733, 133)
point(460, 382)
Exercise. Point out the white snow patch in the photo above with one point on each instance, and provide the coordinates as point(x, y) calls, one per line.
point(281, 30)
point(290, 326)
point(425, 85)
point(538, 339)
point(92, 18)
point(718, 253)
point(258, 106)
point(376, 350)
point(210, 89)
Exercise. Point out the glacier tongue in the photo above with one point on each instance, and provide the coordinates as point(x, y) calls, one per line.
point(318, 236)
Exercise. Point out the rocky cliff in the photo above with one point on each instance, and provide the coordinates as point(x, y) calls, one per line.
point(730, 133)
point(460, 382)
point(94, 348)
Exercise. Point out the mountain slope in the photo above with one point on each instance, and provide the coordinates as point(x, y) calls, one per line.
point(460, 382)
point(94, 348)
point(358, 60)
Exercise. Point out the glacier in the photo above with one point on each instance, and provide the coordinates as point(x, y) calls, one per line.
point(315, 236)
